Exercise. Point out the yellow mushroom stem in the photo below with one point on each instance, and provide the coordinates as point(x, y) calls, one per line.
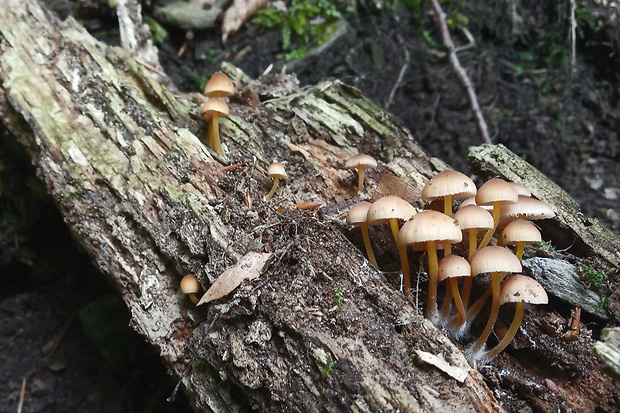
point(192, 296)
point(447, 205)
point(458, 303)
point(519, 249)
point(495, 280)
point(473, 311)
point(213, 136)
point(473, 240)
point(512, 331)
point(402, 253)
point(489, 233)
point(369, 251)
point(360, 178)
point(276, 179)
point(431, 251)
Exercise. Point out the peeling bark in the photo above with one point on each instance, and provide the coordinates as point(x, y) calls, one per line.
point(320, 329)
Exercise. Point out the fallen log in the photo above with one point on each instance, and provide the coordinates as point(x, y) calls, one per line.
point(122, 158)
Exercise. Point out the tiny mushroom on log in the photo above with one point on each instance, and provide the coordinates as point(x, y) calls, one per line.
point(497, 261)
point(212, 110)
point(358, 215)
point(391, 209)
point(360, 162)
point(517, 289)
point(520, 232)
point(190, 286)
point(424, 231)
point(450, 268)
point(449, 185)
point(472, 218)
point(277, 172)
point(525, 208)
point(496, 192)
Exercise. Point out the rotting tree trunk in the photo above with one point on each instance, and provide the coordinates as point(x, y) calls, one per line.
point(320, 329)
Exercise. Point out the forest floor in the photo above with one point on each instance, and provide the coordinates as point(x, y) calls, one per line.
point(563, 119)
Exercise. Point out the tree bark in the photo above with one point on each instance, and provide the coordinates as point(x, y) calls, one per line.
point(122, 157)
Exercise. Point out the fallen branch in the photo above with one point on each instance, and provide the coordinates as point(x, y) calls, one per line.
point(460, 72)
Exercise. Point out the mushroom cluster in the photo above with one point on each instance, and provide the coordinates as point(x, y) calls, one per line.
point(496, 203)
point(218, 86)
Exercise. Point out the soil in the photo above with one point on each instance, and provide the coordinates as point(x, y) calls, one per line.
point(565, 122)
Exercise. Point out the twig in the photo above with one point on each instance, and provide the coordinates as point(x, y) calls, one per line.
point(22, 394)
point(460, 72)
point(573, 38)
point(403, 69)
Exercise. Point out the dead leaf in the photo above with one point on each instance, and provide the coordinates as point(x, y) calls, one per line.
point(250, 266)
point(438, 361)
point(237, 14)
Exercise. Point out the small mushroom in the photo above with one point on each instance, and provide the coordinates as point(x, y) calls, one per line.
point(450, 268)
point(212, 110)
point(190, 286)
point(449, 185)
point(360, 162)
point(520, 232)
point(358, 215)
point(392, 209)
point(276, 171)
point(518, 289)
point(495, 260)
point(219, 85)
point(424, 231)
point(472, 218)
point(496, 192)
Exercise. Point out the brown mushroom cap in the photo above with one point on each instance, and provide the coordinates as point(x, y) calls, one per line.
point(430, 226)
point(495, 259)
point(390, 207)
point(528, 208)
point(219, 83)
point(215, 105)
point(276, 169)
point(521, 288)
point(520, 230)
point(474, 216)
point(496, 190)
point(358, 213)
point(449, 182)
point(453, 266)
point(361, 159)
point(190, 284)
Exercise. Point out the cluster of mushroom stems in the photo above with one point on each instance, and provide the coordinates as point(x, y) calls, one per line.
point(496, 204)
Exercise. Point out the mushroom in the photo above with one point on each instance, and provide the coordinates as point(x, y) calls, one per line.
point(190, 286)
point(276, 171)
point(450, 268)
point(449, 185)
point(495, 260)
point(496, 192)
point(391, 209)
point(525, 208)
point(360, 162)
point(219, 85)
point(520, 189)
point(424, 231)
point(517, 289)
point(358, 215)
point(213, 109)
point(472, 218)
point(520, 232)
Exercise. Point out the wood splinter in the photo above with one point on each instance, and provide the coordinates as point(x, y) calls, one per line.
point(574, 325)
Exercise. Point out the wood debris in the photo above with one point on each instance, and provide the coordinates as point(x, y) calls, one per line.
point(457, 373)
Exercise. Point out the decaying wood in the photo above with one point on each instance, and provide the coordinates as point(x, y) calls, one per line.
point(121, 157)
point(320, 329)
